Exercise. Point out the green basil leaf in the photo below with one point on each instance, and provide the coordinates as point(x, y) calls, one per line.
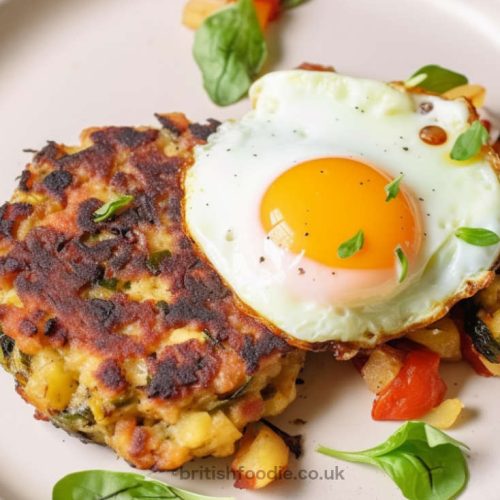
point(230, 49)
point(290, 4)
point(477, 236)
point(100, 484)
point(351, 246)
point(424, 462)
point(108, 209)
point(392, 189)
point(403, 264)
point(437, 79)
point(469, 143)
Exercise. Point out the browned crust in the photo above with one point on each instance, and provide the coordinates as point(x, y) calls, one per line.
point(60, 260)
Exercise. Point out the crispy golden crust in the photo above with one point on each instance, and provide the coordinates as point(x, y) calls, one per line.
point(125, 313)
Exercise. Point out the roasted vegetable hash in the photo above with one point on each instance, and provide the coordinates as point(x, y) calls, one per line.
point(119, 331)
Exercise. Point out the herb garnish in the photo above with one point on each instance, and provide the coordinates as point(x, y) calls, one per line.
point(436, 79)
point(477, 236)
point(109, 284)
point(424, 462)
point(351, 246)
point(403, 264)
point(100, 484)
point(214, 340)
point(392, 189)
point(241, 390)
point(230, 50)
point(469, 143)
point(108, 209)
point(155, 260)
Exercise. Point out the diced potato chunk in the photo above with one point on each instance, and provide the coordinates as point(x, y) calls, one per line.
point(182, 335)
point(193, 429)
point(222, 438)
point(11, 298)
point(381, 368)
point(98, 408)
point(442, 337)
point(444, 415)
point(261, 458)
point(50, 386)
point(137, 371)
point(475, 93)
point(286, 390)
point(149, 288)
point(489, 298)
point(196, 11)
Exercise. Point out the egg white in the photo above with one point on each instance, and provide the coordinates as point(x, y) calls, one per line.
point(302, 115)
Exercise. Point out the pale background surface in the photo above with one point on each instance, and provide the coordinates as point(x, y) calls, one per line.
point(67, 64)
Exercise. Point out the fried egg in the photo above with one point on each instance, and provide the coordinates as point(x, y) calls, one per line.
point(273, 196)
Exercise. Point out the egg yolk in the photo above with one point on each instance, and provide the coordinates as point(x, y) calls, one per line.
point(317, 205)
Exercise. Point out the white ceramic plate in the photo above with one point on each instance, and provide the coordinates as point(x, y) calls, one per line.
point(66, 64)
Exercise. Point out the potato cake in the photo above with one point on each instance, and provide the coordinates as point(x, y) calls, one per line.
point(114, 326)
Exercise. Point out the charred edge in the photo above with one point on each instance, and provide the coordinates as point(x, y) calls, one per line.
point(124, 136)
point(25, 181)
point(11, 214)
point(204, 131)
point(85, 216)
point(56, 182)
point(10, 265)
point(182, 366)
point(104, 311)
point(97, 160)
point(253, 350)
point(28, 328)
point(50, 327)
point(110, 375)
point(49, 153)
point(176, 123)
point(294, 443)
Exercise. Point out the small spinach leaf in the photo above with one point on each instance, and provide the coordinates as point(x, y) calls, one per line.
point(436, 79)
point(424, 462)
point(100, 484)
point(230, 50)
